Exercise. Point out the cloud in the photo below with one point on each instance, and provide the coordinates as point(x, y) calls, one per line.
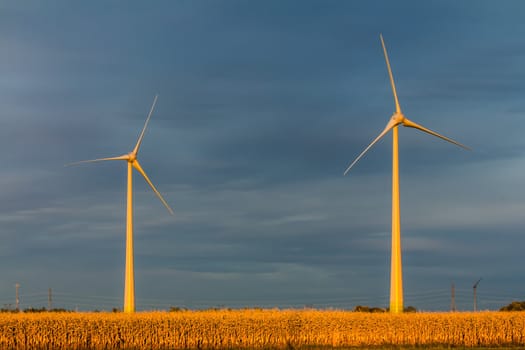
point(261, 108)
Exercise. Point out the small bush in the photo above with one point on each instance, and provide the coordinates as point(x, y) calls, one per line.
point(514, 306)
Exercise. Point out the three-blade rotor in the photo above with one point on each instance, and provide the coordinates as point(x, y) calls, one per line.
point(398, 118)
point(132, 158)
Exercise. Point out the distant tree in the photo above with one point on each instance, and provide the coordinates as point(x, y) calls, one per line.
point(34, 310)
point(60, 310)
point(377, 309)
point(361, 308)
point(4, 310)
point(410, 309)
point(177, 309)
point(514, 306)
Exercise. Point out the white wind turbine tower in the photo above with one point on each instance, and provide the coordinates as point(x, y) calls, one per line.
point(132, 162)
point(396, 276)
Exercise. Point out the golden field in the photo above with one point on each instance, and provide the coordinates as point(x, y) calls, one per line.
point(258, 329)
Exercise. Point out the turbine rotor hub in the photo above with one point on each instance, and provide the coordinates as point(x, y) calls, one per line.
point(132, 157)
point(398, 118)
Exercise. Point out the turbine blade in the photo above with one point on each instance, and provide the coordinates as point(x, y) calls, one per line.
point(411, 124)
point(137, 146)
point(398, 108)
point(388, 127)
point(137, 166)
point(123, 157)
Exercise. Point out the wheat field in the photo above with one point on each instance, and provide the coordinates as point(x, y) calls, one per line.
point(258, 329)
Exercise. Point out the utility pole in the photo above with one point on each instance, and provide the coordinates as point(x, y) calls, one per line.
point(17, 286)
point(475, 287)
point(49, 300)
point(453, 298)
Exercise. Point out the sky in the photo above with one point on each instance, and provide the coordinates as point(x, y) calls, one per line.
point(262, 105)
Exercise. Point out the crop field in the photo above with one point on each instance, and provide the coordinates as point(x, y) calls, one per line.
point(260, 329)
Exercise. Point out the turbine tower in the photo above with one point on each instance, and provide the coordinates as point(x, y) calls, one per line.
point(132, 162)
point(396, 275)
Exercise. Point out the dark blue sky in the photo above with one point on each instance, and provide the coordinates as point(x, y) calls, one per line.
point(262, 106)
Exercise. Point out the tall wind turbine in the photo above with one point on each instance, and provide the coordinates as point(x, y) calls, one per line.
point(396, 276)
point(132, 161)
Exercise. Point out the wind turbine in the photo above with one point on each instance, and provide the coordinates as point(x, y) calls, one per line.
point(396, 275)
point(475, 287)
point(132, 161)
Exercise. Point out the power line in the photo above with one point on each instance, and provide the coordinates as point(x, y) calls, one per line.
point(17, 286)
point(49, 300)
point(453, 298)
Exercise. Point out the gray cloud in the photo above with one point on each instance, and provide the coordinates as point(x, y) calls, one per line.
point(261, 108)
